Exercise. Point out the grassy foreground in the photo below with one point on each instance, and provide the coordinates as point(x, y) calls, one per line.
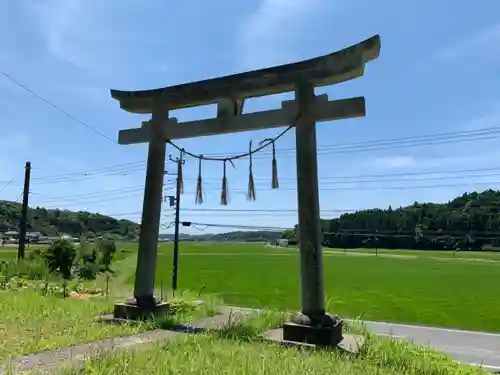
point(30, 322)
point(447, 292)
point(238, 351)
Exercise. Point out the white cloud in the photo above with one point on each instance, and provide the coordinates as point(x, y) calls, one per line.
point(469, 160)
point(483, 45)
point(76, 31)
point(265, 38)
point(97, 35)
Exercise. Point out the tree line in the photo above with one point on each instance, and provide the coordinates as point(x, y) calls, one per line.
point(470, 221)
point(54, 222)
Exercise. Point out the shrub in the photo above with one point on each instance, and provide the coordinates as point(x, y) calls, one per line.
point(36, 254)
point(35, 269)
point(106, 249)
point(88, 271)
point(88, 263)
point(60, 257)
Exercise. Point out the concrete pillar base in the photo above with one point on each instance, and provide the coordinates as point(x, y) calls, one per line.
point(320, 330)
point(141, 308)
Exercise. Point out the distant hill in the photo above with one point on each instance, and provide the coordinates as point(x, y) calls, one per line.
point(237, 236)
point(471, 220)
point(54, 222)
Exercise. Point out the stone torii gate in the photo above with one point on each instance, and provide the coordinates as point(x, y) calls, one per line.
point(313, 324)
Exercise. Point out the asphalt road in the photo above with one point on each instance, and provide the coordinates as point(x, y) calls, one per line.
point(468, 347)
point(475, 348)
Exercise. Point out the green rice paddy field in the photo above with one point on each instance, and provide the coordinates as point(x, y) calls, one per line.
point(425, 287)
point(413, 287)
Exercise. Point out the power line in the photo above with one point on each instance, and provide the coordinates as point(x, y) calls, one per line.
point(123, 214)
point(403, 142)
point(19, 197)
point(405, 179)
point(107, 196)
point(238, 226)
point(7, 184)
point(98, 199)
point(91, 194)
point(285, 211)
point(328, 215)
point(56, 107)
point(403, 235)
point(243, 210)
point(371, 232)
point(126, 168)
point(430, 139)
point(370, 188)
point(101, 169)
point(120, 169)
point(323, 181)
point(339, 210)
point(138, 166)
point(382, 175)
point(241, 214)
point(114, 171)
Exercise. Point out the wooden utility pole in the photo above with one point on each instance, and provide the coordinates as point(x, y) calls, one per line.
point(24, 212)
point(175, 268)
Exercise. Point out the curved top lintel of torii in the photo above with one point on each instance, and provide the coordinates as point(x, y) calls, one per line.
point(330, 69)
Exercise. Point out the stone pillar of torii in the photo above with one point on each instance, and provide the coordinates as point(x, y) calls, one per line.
point(313, 324)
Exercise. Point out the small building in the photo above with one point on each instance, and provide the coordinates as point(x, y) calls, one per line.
point(11, 234)
point(43, 240)
point(490, 247)
point(33, 236)
point(283, 242)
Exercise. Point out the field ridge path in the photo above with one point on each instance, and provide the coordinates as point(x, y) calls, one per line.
point(49, 361)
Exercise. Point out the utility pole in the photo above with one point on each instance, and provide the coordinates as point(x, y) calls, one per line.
point(24, 212)
point(175, 268)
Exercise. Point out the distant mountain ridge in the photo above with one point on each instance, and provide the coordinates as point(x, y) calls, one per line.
point(469, 221)
point(55, 222)
point(243, 236)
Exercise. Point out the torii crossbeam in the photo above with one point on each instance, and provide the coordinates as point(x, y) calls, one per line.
point(313, 324)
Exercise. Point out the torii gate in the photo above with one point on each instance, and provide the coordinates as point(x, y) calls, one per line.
point(313, 324)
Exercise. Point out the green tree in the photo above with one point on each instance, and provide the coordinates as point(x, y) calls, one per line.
point(473, 216)
point(88, 262)
point(106, 249)
point(60, 257)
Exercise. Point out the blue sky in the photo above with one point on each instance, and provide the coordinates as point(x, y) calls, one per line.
point(438, 72)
